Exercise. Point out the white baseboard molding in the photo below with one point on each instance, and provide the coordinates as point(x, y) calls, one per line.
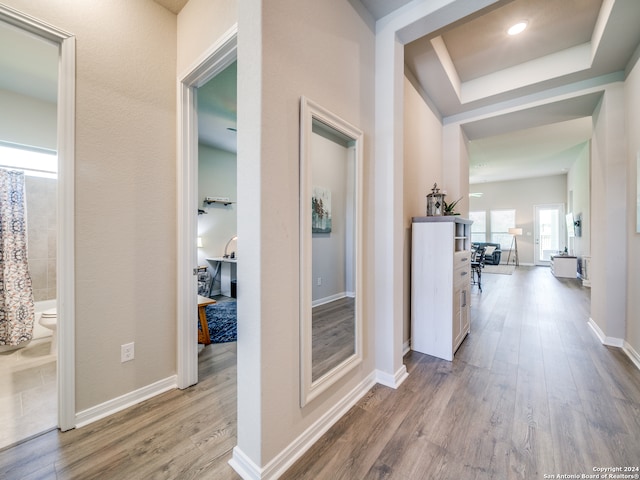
point(248, 470)
point(616, 342)
point(330, 298)
point(610, 341)
point(632, 354)
point(127, 400)
point(406, 346)
point(393, 381)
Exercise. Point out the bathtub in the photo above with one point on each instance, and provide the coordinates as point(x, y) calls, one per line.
point(38, 330)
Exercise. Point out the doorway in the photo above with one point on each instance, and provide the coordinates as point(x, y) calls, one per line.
point(548, 232)
point(222, 55)
point(48, 114)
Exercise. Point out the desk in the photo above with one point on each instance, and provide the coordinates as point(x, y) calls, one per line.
point(203, 334)
point(227, 272)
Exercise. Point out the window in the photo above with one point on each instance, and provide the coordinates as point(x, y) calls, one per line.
point(501, 222)
point(34, 161)
point(478, 227)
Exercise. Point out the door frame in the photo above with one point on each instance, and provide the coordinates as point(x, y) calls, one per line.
point(536, 230)
point(65, 203)
point(218, 57)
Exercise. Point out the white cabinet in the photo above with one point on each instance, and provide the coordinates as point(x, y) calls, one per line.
point(564, 266)
point(440, 283)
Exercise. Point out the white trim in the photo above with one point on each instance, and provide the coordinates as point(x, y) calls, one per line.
point(125, 401)
point(214, 60)
point(66, 205)
point(392, 381)
point(633, 355)
point(247, 469)
point(330, 298)
point(406, 346)
point(610, 341)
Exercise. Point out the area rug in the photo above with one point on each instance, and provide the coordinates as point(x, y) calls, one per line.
point(499, 269)
point(222, 321)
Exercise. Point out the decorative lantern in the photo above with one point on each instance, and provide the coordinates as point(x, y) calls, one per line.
point(435, 202)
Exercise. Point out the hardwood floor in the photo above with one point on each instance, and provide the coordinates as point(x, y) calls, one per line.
point(333, 335)
point(530, 392)
point(182, 434)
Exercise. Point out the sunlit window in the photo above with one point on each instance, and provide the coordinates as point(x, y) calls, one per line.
point(35, 162)
point(501, 222)
point(479, 226)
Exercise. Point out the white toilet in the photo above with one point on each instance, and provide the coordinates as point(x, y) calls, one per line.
point(49, 319)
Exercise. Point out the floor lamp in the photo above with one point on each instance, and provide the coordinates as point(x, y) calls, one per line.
point(515, 232)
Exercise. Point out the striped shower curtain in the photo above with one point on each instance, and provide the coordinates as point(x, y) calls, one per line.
point(16, 293)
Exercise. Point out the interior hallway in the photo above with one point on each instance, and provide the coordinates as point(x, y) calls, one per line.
point(530, 392)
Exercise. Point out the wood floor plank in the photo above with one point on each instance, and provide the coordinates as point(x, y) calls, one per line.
point(531, 391)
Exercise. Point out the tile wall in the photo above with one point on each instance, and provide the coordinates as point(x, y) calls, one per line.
point(41, 196)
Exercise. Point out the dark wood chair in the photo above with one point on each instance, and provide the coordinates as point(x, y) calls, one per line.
point(477, 264)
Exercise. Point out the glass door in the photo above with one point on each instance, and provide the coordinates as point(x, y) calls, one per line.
point(549, 232)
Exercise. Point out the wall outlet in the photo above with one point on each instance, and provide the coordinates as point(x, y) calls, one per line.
point(127, 352)
point(319, 281)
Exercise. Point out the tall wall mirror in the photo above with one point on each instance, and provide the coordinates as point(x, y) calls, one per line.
point(330, 249)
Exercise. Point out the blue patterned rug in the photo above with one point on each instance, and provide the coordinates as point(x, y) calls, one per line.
point(222, 321)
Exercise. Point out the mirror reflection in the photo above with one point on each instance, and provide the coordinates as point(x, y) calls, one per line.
point(330, 232)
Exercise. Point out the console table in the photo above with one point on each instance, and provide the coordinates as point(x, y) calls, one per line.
point(565, 266)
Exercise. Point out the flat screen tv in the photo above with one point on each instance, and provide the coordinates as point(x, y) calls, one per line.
point(571, 229)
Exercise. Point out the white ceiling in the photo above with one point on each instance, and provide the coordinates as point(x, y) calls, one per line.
point(464, 67)
point(474, 65)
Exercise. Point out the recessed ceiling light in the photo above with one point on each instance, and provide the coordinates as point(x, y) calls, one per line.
point(517, 28)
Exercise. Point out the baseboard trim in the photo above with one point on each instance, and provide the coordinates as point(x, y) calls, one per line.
point(127, 400)
point(330, 298)
point(406, 346)
point(248, 470)
point(392, 381)
point(610, 341)
point(633, 355)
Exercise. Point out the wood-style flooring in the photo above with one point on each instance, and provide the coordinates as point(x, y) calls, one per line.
point(333, 335)
point(530, 392)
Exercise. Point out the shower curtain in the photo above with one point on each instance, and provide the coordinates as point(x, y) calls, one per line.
point(16, 292)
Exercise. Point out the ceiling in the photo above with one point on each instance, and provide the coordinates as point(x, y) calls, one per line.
point(466, 67)
point(473, 65)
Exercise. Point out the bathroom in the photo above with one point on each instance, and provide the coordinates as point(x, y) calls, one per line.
point(28, 139)
point(28, 389)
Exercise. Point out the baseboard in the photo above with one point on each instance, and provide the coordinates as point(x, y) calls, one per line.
point(248, 470)
point(330, 298)
point(632, 354)
point(110, 407)
point(393, 381)
point(610, 341)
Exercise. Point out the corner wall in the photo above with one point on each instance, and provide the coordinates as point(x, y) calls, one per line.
point(632, 102)
point(422, 167)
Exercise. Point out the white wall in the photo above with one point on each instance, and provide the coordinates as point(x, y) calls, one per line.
point(329, 170)
point(520, 195)
point(287, 49)
point(217, 177)
point(422, 168)
point(632, 102)
point(27, 121)
point(609, 215)
point(579, 190)
point(125, 191)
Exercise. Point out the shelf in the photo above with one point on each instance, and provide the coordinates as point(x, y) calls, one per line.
point(220, 201)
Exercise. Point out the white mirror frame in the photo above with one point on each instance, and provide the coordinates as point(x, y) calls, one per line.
point(310, 111)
